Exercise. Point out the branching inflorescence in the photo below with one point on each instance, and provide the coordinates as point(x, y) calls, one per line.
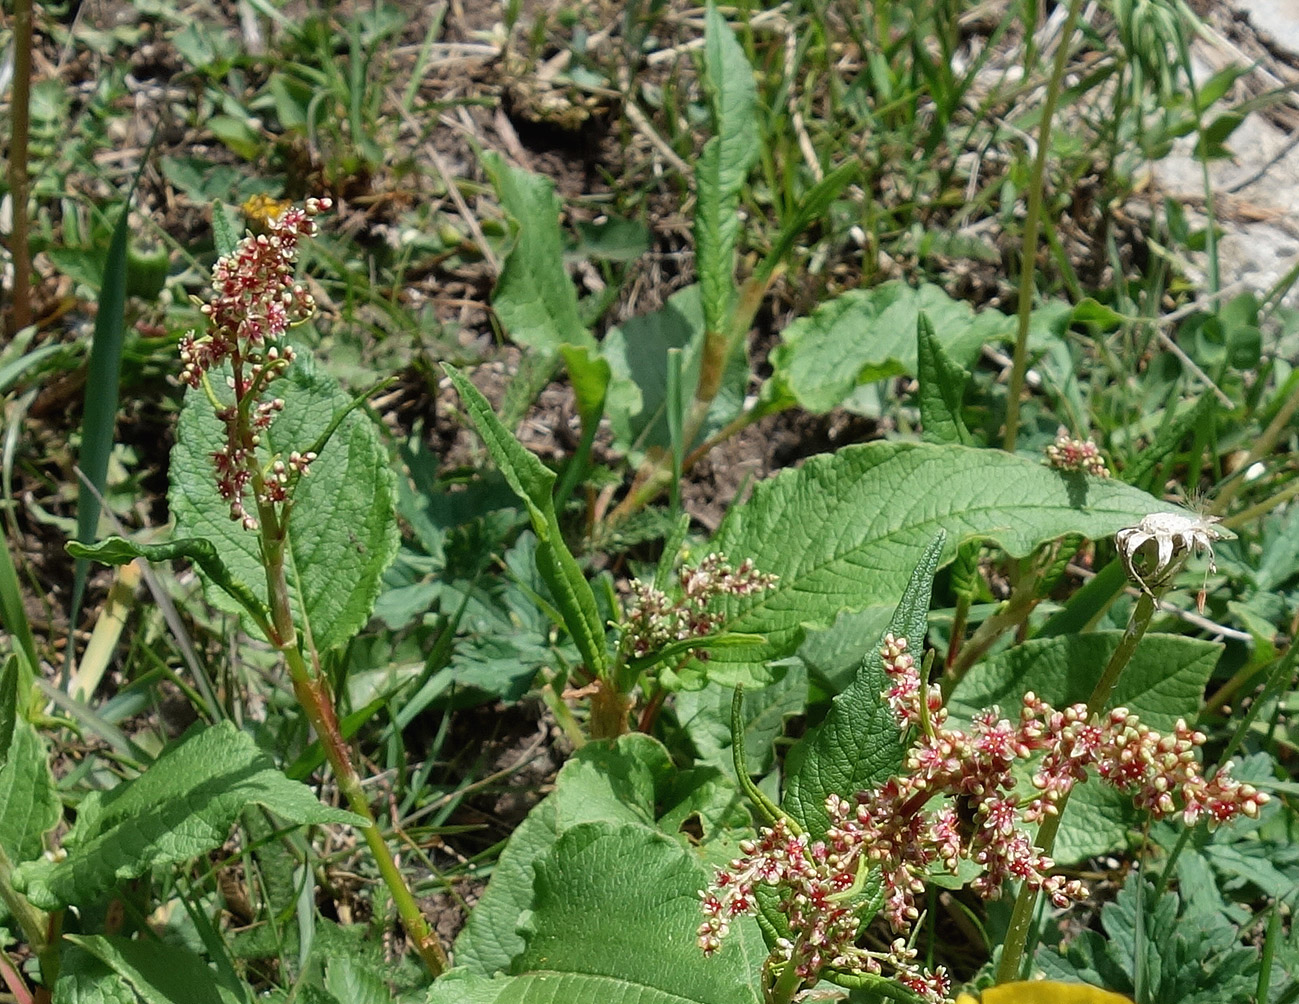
point(957, 801)
point(654, 619)
point(255, 300)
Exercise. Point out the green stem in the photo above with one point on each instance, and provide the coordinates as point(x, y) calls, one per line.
point(1032, 222)
point(31, 921)
point(313, 694)
point(787, 984)
point(1011, 614)
point(1021, 917)
point(20, 112)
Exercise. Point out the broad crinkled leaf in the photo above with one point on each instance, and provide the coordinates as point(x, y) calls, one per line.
point(1164, 681)
point(859, 744)
point(844, 531)
point(611, 783)
point(614, 921)
point(866, 335)
point(534, 298)
point(159, 972)
point(29, 803)
point(84, 979)
point(723, 166)
point(343, 528)
point(180, 807)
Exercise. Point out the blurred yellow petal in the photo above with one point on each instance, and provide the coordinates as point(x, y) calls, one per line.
point(1045, 992)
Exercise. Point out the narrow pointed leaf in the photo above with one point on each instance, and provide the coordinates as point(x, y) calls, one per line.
point(723, 166)
point(942, 385)
point(100, 416)
point(859, 745)
point(534, 483)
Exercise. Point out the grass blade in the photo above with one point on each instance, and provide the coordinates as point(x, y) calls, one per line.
point(102, 381)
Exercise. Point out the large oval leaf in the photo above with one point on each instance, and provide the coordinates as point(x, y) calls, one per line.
point(844, 532)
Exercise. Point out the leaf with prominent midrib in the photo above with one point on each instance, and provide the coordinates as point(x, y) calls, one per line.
point(159, 972)
point(343, 527)
point(29, 803)
point(844, 531)
point(534, 298)
point(723, 166)
point(859, 744)
point(179, 808)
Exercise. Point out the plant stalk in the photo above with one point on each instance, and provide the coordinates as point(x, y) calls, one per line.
point(1021, 918)
point(313, 694)
point(20, 117)
point(1032, 223)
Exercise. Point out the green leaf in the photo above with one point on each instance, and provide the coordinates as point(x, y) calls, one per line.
point(723, 166)
point(706, 717)
point(354, 983)
point(638, 357)
point(84, 979)
point(534, 483)
point(1163, 682)
point(13, 617)
point(859, 745)
point(614, 922)
point(870, 334)
point(179, 808)
point(611, 783)
point(120, 551)
point(534, 297)
point(942, 385)
point(844, 531)
point(29, 803)
point(8, 705)
point(159, 972)
point(225, 229)
point(104, 373)
point(342, 529)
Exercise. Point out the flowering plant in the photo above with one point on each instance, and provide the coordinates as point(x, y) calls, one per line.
point(956, 802)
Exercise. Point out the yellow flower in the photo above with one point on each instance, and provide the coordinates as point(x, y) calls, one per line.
point(1044, 992)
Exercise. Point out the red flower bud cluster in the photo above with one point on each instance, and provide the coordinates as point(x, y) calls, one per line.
point(1068, 454)
point(958, 801)
point(655, 619)
point(254, 301)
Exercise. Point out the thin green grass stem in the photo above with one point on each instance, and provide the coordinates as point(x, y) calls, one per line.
point(1032, 223)
point(20, 118)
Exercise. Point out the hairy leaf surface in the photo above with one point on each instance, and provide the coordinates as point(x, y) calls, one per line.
point(845, 531)
point(342, 531)
point(179, 808)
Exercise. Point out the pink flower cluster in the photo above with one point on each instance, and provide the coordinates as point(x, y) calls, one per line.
point(254, 301)
point(1068, 454)
point(654, 619)
point(957, 802)
point(817, 881)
